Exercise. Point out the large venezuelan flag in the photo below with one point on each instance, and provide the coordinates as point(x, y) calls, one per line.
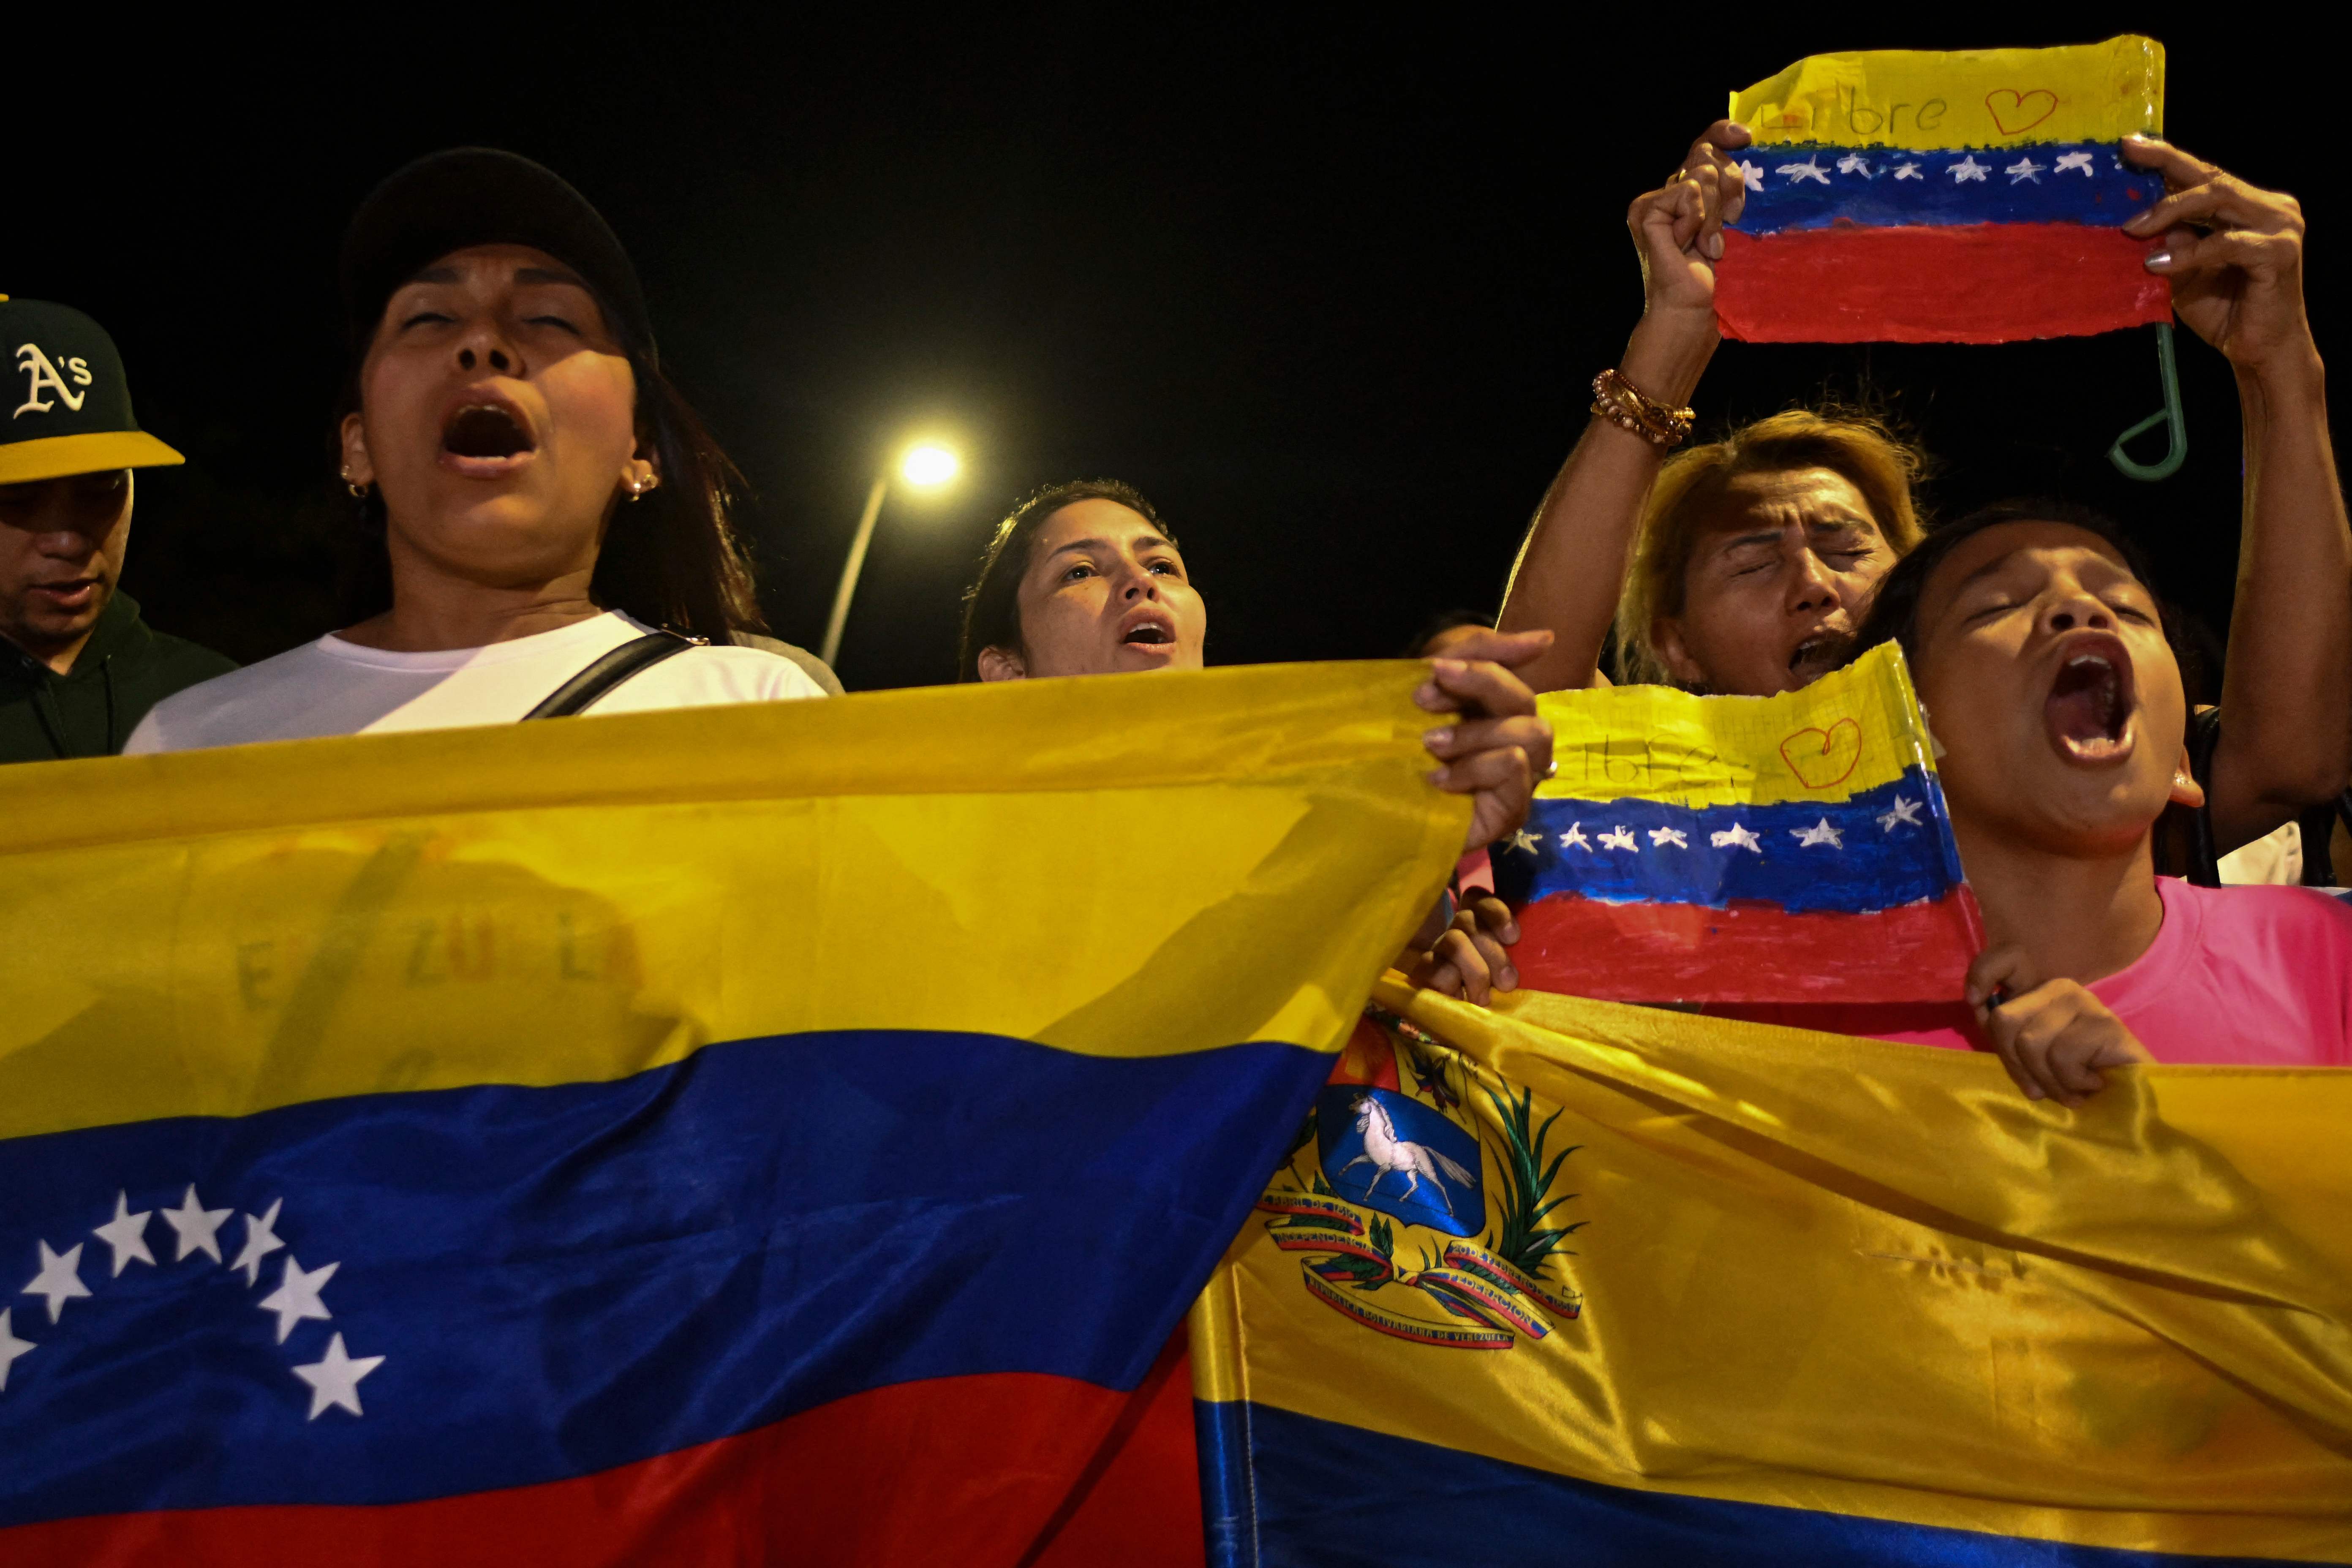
point(1743, 849)
point(1616, 1285)
point(762, 1134)
point(1913, 196)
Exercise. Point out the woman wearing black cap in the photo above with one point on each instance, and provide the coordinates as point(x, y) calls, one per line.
point(544, 497)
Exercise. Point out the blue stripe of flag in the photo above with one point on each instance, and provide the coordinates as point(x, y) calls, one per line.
point(1880, 849)
point(565, 1279)
point(1817, 187)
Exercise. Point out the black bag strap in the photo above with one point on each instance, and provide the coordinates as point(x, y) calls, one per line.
point(632, 658)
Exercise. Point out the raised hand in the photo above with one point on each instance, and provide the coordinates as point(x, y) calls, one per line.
point(1678, 228)
point(2234, 253)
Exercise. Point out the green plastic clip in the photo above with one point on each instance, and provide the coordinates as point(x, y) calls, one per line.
point(2169, 416)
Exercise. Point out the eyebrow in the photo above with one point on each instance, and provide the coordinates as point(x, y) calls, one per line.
point(522, 275)
point(1101, 545)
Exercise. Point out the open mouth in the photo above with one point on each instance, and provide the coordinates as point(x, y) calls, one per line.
point(1147, 636)
point(2088, 711)
point(485, 430)
point(1818, 655)
point(1148, 626)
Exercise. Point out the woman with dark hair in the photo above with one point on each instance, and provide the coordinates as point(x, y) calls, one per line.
point(1086, 579)
point(538, 498)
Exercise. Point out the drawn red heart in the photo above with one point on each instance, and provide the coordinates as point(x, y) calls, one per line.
point(1823, 758)
point(2026, 109)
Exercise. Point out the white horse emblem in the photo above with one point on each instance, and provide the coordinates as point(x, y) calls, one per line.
point(1385, 1152)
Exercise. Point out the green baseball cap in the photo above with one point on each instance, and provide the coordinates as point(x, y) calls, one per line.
point(64, 404)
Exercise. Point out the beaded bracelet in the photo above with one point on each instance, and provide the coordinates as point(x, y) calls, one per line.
point(1622, 403)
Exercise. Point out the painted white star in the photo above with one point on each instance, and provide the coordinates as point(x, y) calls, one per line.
point(2072, 160)
point(2024, 169)
point(1855, 163)
point(1737, 837)
point(334, 1378)
point(1908, 172)
point(1574, 839)
point(1818, 833)
point(60, 1280)
point(1811, 169)
point(1967, 169)
point(1525, 840)
point(260, 1241)
point(127, 1234)
point(1905, 811)
point(1673, 836)
point(199, 1226)
point(1750, 175)
point(1619, 837)
point(297, 1295)
point(11, 1347)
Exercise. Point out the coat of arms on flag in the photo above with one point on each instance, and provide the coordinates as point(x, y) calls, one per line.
point(1977, 196)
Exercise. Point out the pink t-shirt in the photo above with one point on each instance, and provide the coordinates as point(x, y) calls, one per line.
point(2253, 976)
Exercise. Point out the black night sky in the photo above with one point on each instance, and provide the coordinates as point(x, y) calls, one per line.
point(1330, 292)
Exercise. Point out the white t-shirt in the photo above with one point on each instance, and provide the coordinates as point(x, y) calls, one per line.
point(335, 687)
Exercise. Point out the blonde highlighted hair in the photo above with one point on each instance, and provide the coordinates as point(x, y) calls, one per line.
point(1857, 444)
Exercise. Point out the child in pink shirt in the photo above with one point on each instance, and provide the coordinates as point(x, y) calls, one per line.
point(2041, 659)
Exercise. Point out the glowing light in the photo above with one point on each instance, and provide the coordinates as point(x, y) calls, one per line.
point(927, 466)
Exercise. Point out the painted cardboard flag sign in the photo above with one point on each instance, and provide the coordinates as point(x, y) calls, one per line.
point(1906, 195)
point(1791, 848)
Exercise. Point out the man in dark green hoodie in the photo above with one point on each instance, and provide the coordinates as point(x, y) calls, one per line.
point(78, 669)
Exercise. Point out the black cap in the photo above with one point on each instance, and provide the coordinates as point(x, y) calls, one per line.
point(69, 409)
point(480, 196)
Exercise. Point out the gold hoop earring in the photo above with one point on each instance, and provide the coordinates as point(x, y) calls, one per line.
point(358, 492)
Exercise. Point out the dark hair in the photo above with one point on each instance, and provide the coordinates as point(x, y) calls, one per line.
point(1895, 611)
point(992, 605)
point(670, 560)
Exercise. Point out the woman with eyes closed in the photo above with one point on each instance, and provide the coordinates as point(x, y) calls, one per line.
point(543, 498)
point(1084, 579)
point(1743, 567)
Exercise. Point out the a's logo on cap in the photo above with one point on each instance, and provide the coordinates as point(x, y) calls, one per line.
point(43, 376)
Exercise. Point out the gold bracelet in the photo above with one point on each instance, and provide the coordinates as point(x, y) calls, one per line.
point(1623, 405)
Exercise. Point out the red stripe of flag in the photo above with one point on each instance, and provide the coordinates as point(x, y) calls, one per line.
point(1977, 284)
point(1009, 1468)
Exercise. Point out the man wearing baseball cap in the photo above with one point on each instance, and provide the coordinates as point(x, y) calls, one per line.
point(78, 669)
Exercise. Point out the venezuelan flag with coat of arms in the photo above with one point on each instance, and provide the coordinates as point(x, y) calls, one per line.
point(1575, 1282)
point(1972, 196)
point(751, 1135)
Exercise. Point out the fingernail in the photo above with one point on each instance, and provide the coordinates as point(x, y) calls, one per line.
point(2157, 260)
point(1508, 979)
point(1713, 247)
point(2032, 1094)
point(1441, 736)
point(1435, 776)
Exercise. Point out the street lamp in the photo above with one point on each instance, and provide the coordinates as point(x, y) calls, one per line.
point(924, 467)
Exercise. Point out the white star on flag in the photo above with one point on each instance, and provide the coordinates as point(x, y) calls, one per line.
point(297, 1295)
point(1525, 840)
point(2074, 161)
point(1818, 833)
point(334, 1378)
point(2023, 169)
point(1574, 839)
point(1967, 169)
point(199, 1226)
point(1673, 836)
point(1905, 811)
point(260, 1241)
point(1854, 163)
point(1750, 175)
point(1811, 169)
point(60, 1280)
point(127, 1234)
point(1908, 172)
point(11, 1347)
point(1619, 837)
point(1737, 837)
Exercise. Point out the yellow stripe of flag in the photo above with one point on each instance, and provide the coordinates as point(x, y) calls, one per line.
point(1927, 100)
